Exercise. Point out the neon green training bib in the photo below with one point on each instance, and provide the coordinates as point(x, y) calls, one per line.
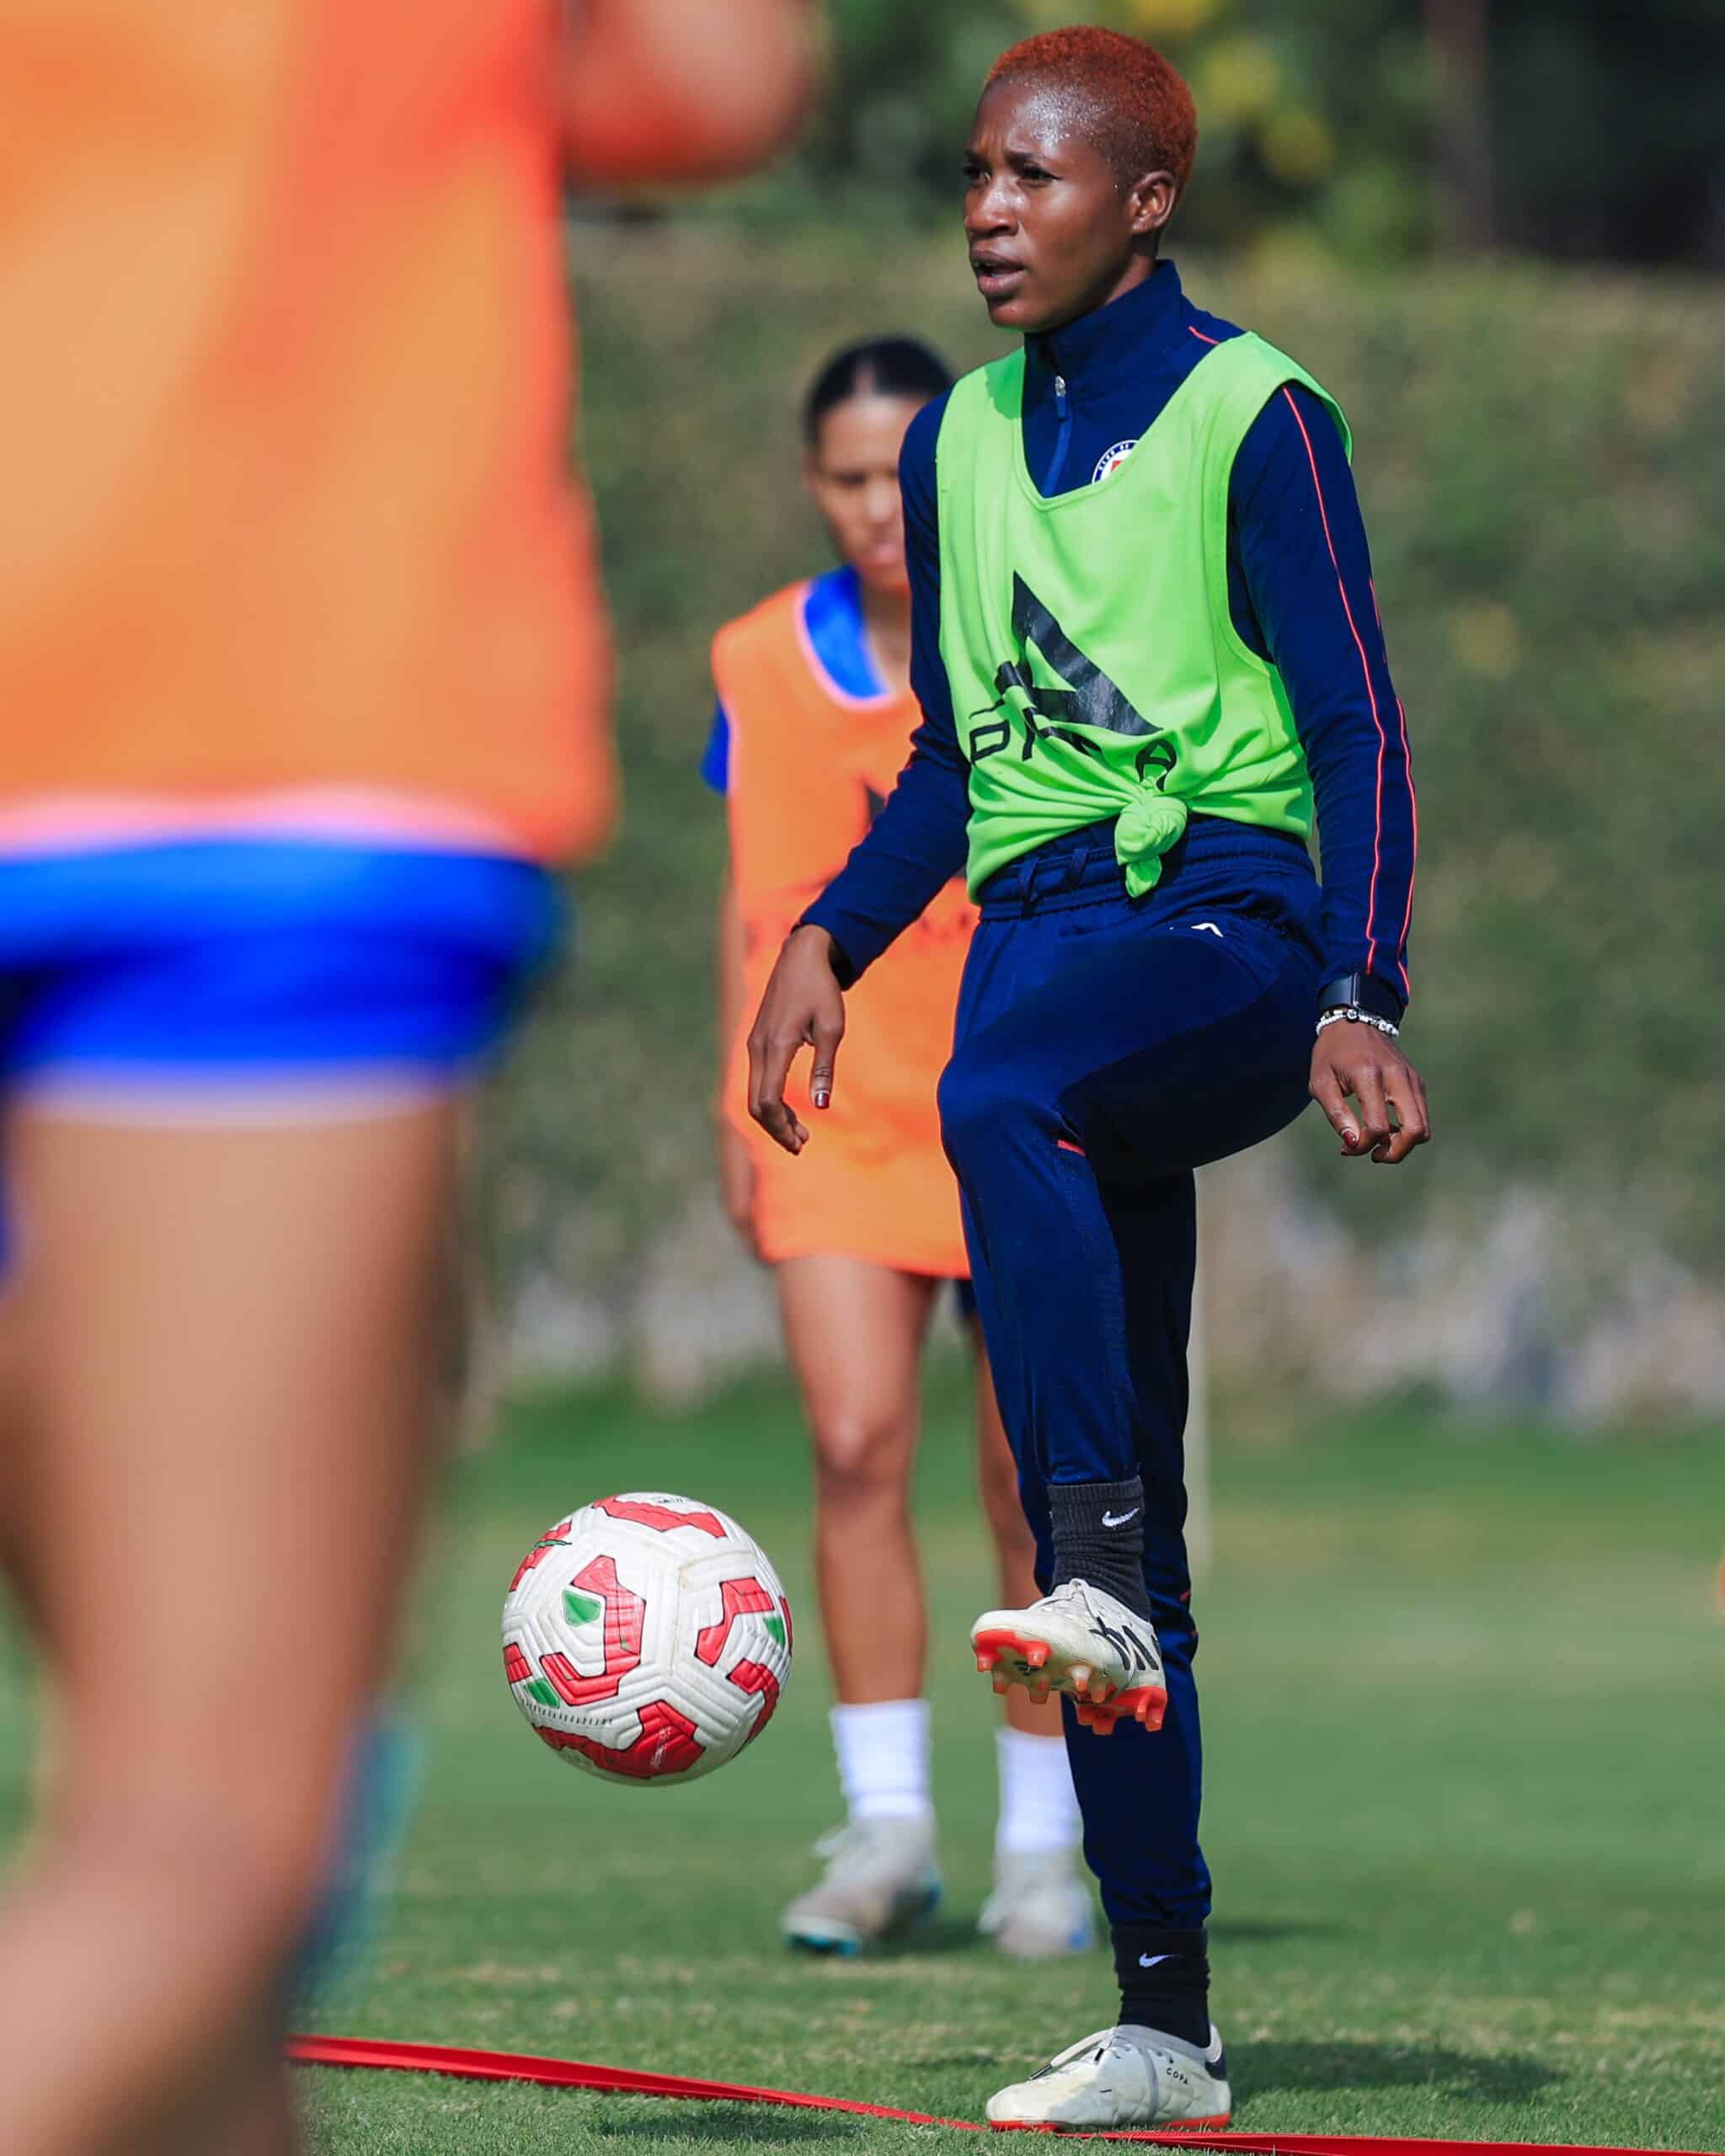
point(1094, 665)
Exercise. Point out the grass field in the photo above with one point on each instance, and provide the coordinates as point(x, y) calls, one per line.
point(1467, 1793)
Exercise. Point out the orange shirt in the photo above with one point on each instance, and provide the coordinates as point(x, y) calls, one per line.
point(283, 398)
point(804, 761)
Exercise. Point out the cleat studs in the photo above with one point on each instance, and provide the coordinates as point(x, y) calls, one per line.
point(1002, 1683)
point(1100, 1688)
point(1039, 1691)
point(1036, 1653)
point(986, 1658)
point(1078, 1677)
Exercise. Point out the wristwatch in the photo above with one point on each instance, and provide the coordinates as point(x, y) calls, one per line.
point(1361, 992)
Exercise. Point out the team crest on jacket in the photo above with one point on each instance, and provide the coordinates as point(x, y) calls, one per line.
point(1112, 458)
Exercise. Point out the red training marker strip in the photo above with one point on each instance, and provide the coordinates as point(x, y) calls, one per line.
point(571, 2074)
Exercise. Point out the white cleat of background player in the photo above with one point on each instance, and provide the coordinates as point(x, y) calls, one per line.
point(1082, 1641)
point(880, 1879)
point(1121, 2076)
point(1040, 1907)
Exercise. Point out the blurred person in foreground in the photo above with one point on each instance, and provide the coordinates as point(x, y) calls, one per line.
point(814, 718)
point(1146, 647)
point(303, 683)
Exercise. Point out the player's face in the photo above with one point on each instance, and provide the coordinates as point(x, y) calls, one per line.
point(1054, 231)
point(852, 473)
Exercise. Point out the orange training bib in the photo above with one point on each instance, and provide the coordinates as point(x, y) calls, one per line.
point(283, 413)
point(809, 767)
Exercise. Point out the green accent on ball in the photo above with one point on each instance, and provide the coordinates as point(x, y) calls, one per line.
point(540, 1690)
point(776, 1629)
point(581, 1608)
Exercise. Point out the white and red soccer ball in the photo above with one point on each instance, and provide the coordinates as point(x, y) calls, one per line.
point(647, 1638)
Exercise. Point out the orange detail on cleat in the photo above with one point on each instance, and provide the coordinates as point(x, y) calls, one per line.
point(1010, 1657)
point(1147, 1703)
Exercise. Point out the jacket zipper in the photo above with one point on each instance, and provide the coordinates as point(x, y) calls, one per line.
point(1063, 436)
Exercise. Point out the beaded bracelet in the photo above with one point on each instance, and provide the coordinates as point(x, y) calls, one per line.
point(1356, 1017)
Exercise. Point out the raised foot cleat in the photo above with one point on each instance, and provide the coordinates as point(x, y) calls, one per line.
point(1083, 1642)
point(1121, 2078)
point(880, 1880)
point(1041, 1906)
point(1147, 1703)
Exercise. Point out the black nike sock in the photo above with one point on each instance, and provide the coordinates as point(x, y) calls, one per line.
point(1098, 1536)
point(1164, 1981)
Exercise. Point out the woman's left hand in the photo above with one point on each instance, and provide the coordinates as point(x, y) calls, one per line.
point(1351, 1057)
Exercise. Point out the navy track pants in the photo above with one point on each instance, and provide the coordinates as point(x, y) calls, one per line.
point(1106, 1047)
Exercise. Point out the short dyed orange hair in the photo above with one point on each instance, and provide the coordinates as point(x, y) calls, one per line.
point(1146, 118)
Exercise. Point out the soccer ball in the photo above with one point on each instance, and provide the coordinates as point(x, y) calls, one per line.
point(647, 1638)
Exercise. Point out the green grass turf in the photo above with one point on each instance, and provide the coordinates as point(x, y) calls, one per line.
point(1466, 1762)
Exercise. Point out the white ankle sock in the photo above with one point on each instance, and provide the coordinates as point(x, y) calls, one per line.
point(1038, 1808)
point(882, 1755)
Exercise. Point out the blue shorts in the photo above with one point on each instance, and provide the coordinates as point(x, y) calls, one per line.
point(218, 976)
point(213, 967)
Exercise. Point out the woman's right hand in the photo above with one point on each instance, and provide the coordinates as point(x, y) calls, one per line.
point(736, 1183)
point(803, 1003)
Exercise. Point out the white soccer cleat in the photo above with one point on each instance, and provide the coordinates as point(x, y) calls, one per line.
point(1082, 1641)
point(1040, 1907)
point(880, 1879)
point(1122, 2077)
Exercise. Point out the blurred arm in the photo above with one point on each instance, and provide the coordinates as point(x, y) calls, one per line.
point(683, 89)
point(917, 843)
point(731, 1013)
point(736, 1167)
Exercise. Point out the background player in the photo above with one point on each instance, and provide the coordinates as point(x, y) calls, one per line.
point(1144, 638)
point(815, 713)
point(301, 672)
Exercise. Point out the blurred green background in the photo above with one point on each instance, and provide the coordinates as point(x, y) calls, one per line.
point(1471, 250)
point(1385, 129)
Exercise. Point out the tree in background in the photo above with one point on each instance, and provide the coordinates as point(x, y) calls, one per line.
point(1610, 128)
point(1375, 129)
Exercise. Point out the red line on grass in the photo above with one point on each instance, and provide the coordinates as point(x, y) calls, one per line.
point(572, 2073)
